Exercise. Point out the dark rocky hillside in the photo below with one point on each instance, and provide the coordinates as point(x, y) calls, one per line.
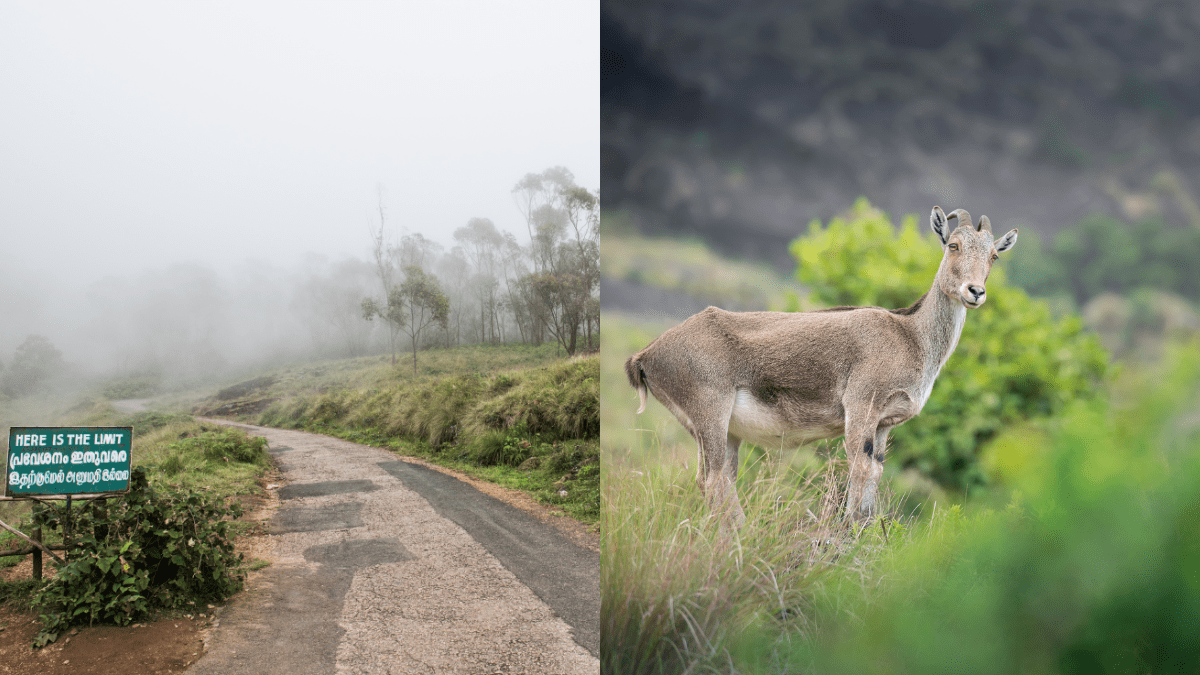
point(742, 121)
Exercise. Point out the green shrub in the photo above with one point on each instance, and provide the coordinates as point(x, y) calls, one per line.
point(1102, 254)
point(148, 549)
point(1090, 568)
point(1014, 361)
point(560, 401)
point(222, 444)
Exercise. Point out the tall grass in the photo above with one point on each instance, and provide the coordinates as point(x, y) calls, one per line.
point(678, 591)
point(558, 401)
point(533, 428)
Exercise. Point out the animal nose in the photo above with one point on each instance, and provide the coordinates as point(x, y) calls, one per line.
point(977, 291)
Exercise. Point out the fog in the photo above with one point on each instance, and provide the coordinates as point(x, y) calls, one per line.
point(195, 186)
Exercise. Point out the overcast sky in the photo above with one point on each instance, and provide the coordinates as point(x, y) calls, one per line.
point(135, 135)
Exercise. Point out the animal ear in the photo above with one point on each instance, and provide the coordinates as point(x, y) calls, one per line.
point(937, 220)
point(1007, 241)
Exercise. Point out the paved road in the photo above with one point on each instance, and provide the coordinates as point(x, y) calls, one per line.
point(381, 566)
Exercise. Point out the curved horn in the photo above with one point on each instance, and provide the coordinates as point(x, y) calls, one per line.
point(961, 214)
point(984, 225)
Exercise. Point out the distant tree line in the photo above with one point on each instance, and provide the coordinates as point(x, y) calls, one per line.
point(187, 322)
point(489, 288)
point(1101, 254)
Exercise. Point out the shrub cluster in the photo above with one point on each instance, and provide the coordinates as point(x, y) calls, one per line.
point(1091, 567)
point(1014, 361)
point(1102, 254)
point(152, 548)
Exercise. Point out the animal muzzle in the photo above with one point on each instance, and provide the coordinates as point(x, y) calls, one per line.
point(973, 295)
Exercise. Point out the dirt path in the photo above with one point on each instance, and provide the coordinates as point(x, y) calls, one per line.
point(382, 566)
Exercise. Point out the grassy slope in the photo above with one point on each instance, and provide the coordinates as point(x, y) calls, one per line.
point(689, 267)
point(520, 416)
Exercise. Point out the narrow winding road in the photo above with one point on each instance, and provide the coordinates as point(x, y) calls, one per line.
point(384, 566)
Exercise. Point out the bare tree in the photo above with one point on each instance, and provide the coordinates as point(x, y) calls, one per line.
point(386, 271)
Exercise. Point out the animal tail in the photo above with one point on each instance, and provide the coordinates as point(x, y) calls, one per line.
point(637, 380)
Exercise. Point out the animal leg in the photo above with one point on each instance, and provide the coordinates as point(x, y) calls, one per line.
point(720, 452)
point(869, 506)
point(737, 516)
point(860, 453)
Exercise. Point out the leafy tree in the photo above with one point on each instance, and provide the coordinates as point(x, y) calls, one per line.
point(35, 361)
point(1014, 361)
point(535, 196)
point(564, 297)
point(582, 210)
point(413, 306)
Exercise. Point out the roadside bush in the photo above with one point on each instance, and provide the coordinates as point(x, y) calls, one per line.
point(501, 448)
point(1014, 361)
point(560, 401)
point(223, 444)
point(151, 548)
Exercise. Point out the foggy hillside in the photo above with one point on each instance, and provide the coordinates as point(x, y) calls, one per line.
point(187, 323)
point(744, 121)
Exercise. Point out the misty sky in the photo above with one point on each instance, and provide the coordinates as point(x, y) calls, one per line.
point(136, 135)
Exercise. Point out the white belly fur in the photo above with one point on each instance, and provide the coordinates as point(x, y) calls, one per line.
point(756, 422)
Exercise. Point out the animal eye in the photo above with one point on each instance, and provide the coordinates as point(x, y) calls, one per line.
point(995, 257)
point(953, 247)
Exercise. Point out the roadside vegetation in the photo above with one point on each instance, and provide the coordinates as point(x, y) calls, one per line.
point(166, 545)
point(516, 415)
point(1039, 515)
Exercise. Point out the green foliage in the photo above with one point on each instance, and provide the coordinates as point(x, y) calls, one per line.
point(190, 455)
point(508, 448)
point(412, 306)
point(1090, 568)
point(1014, 361)
point(677, 592)
point(560, 402)
point(1103, 254)
point(151, 548)
point(495, 422)
point(861, 259)
point(224, 444)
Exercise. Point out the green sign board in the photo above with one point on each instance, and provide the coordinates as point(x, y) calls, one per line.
point(68, 460)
